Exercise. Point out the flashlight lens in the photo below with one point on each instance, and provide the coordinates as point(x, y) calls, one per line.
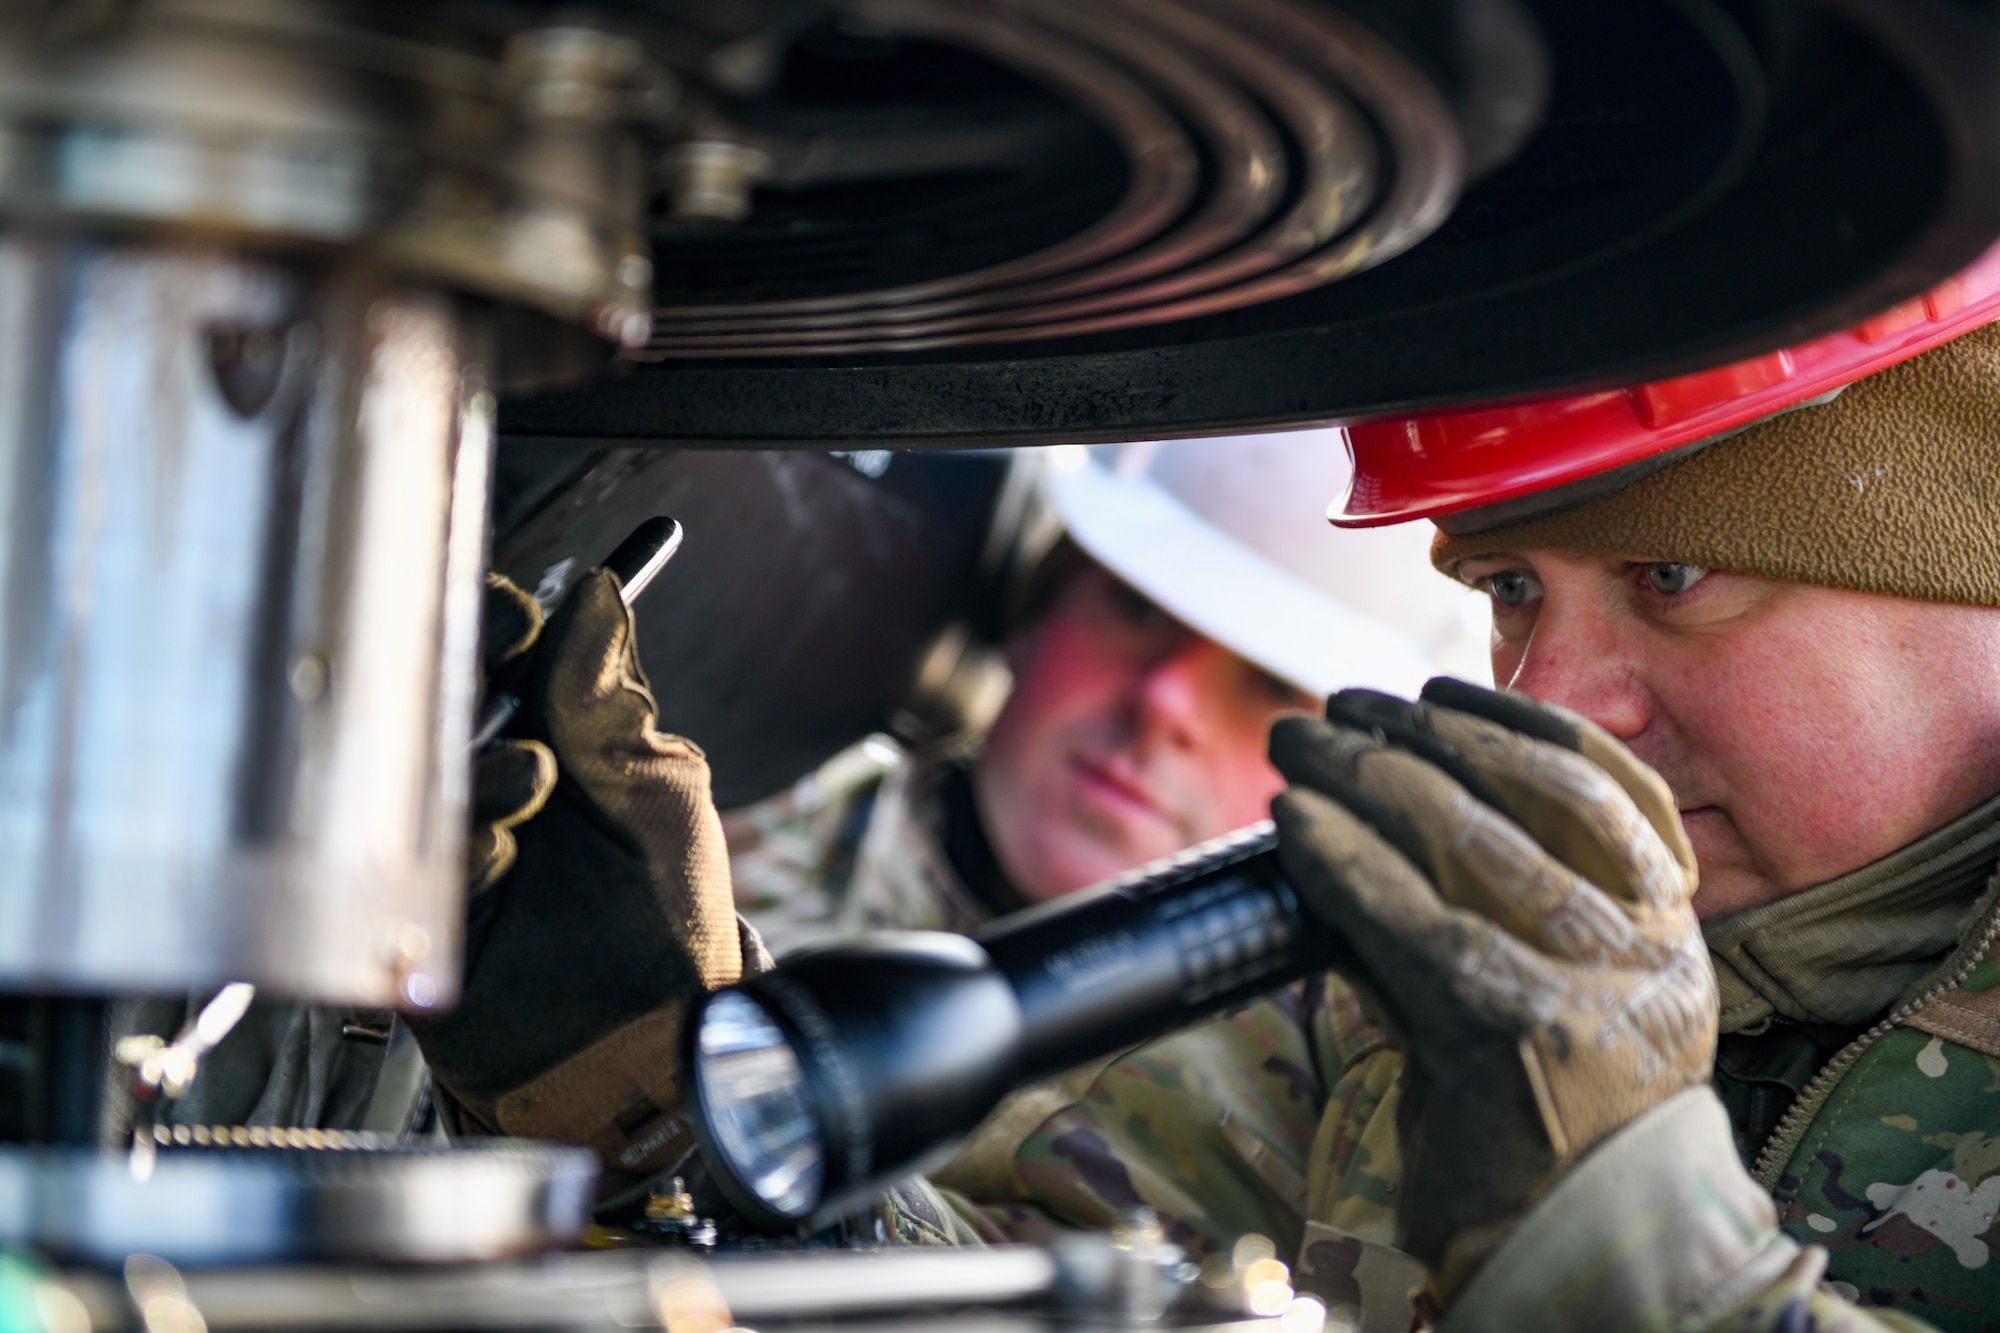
point(753, 1095)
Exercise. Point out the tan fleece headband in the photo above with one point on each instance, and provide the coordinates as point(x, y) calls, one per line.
point(1892, 487)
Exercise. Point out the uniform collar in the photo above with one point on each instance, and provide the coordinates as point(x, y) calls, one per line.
point(924, 862)
point(1846, 951)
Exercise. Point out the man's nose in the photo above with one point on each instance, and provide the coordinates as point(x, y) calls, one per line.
point(1580, 657)
point(1175, 691)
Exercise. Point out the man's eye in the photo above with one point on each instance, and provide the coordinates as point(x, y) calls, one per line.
point(1283, 693)
point(1134, 607)
point(1512, 588)
point(1669, 578)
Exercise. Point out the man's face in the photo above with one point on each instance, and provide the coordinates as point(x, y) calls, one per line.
point(1128, 737)
point(1805, 731)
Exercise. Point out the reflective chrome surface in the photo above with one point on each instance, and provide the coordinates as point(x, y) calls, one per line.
point(241, 509)
point(279, 1204)
point(245, 443)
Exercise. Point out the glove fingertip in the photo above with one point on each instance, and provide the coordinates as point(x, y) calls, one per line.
point(1312, 824)
point(1291, 739)
point(511, 622)
point(511, 782)
point(1648, 790)
point(1393, 929)
point(1405, 726)
point(590, 613)
point(591, 644)
point(1516, 712)
point(1366, 708)
point(1293, 809)
point(490, 854)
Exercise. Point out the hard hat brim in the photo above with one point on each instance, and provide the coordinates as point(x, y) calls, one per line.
point(1225, 591)
point(1449, 466)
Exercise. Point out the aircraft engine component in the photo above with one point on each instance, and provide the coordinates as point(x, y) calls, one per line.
point(263, 268)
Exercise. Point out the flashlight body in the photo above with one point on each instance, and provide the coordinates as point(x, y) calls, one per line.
point(897, 1046)
point(1153, 951)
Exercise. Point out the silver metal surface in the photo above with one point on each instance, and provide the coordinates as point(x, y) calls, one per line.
point(279, 1205)
point(246, 427)
point(1010, 1286)
point(713, 178)
point(654, 545)
point(507, 162)
point(241, 509)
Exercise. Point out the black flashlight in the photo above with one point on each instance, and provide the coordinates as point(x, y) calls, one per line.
point(824, 1081)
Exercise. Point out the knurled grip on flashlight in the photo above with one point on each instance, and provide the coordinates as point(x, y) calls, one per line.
point(1211, 927)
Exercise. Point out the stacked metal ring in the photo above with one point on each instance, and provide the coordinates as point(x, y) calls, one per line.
point(1272, 146)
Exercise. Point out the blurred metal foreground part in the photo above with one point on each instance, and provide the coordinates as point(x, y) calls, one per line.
point(238, 608)
point(1086, 1278)
point(495, 157)
point(262, 266)
point(271, 1205)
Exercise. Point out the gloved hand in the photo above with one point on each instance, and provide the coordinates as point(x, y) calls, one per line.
point(601, 907)
point(1516, 886)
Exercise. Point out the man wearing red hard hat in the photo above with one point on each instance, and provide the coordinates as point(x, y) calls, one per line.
point(1683, 946)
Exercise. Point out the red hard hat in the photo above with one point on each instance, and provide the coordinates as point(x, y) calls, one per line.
point(1446, 463)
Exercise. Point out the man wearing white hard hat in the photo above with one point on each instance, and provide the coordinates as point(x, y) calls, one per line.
point(1194, 596)
point(1201, 597)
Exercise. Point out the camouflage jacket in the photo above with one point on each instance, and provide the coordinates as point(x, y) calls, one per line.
point(1890, 1160)
point(849, 848)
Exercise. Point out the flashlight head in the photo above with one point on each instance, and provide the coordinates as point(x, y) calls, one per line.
point(756, 1104)
point(849, 1067)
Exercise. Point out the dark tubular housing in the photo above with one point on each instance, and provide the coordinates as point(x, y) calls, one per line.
point(847, 1068)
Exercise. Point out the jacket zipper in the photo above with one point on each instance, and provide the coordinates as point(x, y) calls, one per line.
point(1784, 1140)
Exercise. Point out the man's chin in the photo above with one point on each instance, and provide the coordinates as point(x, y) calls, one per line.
point(1079, 862)
point(1728, 883)
point(1730, 889)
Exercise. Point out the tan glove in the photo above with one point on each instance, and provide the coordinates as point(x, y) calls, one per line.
point(601, 906)
point(1516, 886)
point(511, 779)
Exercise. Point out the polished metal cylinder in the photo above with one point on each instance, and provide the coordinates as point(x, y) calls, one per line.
point(242, 503)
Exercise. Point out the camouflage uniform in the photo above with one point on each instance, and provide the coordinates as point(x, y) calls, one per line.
point(849, 848)
point(1878, 1137)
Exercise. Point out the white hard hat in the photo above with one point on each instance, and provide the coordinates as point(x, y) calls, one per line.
point(1230, 536)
